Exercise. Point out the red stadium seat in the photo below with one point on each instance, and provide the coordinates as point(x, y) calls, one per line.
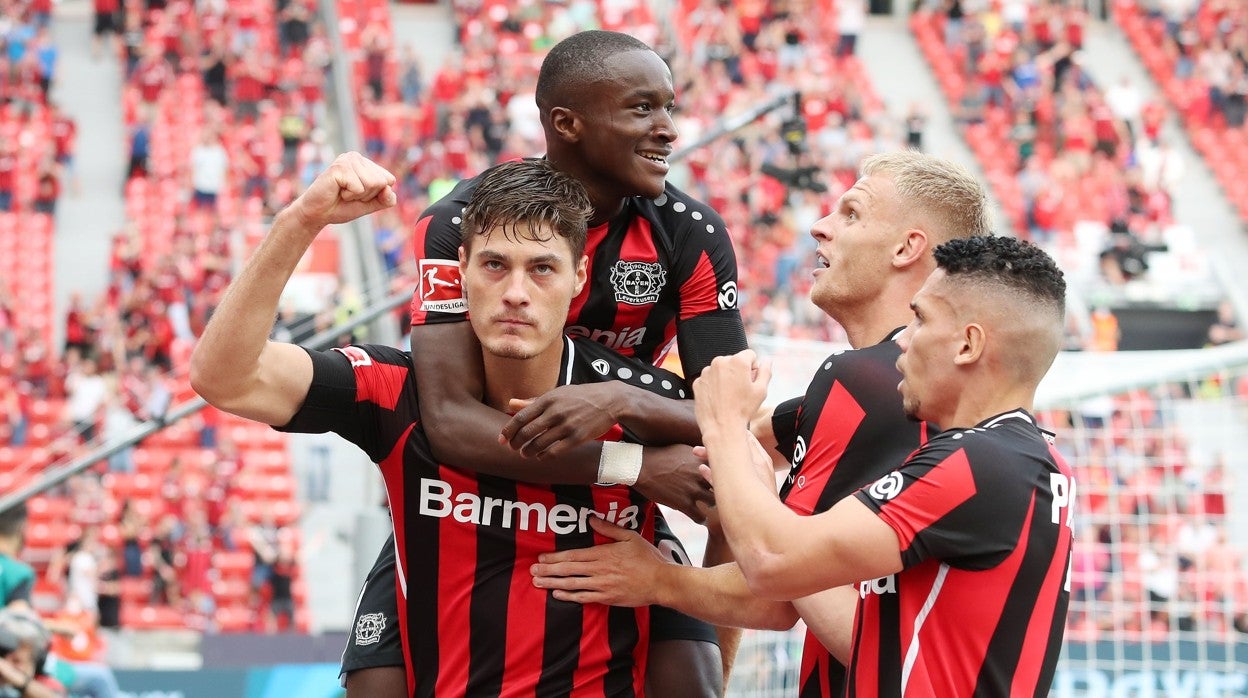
point(235, 619)
point(151, 618)
point(233, 564)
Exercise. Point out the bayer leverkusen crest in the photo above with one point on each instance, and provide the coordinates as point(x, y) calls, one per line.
point(637, 283)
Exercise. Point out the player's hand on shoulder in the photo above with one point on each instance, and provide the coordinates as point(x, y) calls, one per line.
point(560, 419)
point(352, 186)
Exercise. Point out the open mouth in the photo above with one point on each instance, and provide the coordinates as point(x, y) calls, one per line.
point(657, 159)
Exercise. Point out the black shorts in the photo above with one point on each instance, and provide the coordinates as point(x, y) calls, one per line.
point(375, 641)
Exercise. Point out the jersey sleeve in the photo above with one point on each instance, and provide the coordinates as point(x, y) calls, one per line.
point(709, 323)
point(784, 426)
point(363, 394)
point(963, 506)
point(439, 296)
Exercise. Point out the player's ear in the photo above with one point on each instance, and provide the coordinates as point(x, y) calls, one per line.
point(565, 123)
point(973, 340)
point(582, 274)
point(911, 249)
point(463, 261)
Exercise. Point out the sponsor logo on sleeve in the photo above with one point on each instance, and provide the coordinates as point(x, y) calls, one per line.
point(728, 295)
point(440, 287)
point(886, 487)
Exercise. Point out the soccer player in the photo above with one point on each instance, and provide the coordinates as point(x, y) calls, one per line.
point(961, 555)
point(473, 624)
point(661, 268)
point(874, 253)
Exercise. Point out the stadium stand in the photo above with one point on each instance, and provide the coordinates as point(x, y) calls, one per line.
point(166, 270)
point(1195, 53)
point(180, 514)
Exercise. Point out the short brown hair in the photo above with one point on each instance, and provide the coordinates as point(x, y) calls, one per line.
point(533, 192)
point(948, 198)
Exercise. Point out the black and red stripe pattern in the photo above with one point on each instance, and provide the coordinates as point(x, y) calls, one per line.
point(654, 265)
point(847, 431)
point(982, 518)
point(472, 623)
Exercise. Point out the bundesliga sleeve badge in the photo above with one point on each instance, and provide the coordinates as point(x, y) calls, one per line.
point(440, 287)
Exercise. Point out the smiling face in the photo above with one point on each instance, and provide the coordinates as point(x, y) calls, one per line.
point(856, 242)
point(519, 286)
point(929, 345)
point(625, 128)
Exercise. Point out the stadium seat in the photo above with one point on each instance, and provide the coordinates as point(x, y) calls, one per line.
point(233, 564)
point(235, 619)
point(151, 618)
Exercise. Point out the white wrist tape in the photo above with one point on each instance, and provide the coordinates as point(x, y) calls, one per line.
point(620, 463)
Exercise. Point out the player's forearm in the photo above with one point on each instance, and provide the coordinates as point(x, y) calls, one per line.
point(830, 617)
point(657, 420)
point(465, 434)
point(226, 362)
point(718, 552)
point(721, 596)
point(758, 527)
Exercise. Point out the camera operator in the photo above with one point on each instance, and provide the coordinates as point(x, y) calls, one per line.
point(1125, 257)
point(23, 648)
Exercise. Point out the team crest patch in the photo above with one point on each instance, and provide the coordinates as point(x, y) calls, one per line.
point(440, 288)
point(637, 283)
point(368, 628)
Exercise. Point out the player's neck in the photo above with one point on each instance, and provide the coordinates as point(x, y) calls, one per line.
point(984, 398)
point(870, 324)
point(520, 379)
point(606, 203)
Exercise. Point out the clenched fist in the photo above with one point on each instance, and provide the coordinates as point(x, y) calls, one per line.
point(352, 187)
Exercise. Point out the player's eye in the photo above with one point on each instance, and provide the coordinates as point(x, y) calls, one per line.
point(543, 269)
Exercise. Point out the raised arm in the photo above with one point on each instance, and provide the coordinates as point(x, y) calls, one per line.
point(234, 366)
point(782, 555)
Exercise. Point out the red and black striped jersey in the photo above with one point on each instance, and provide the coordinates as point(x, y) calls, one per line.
point(847, 431)
point(982, 518)
point(472, 622)
point(657, 264)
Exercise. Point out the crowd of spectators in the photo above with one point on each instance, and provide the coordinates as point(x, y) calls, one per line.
point(1155, 556)
point(224, 105)
point(1197, 52)
point(1058, 149)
